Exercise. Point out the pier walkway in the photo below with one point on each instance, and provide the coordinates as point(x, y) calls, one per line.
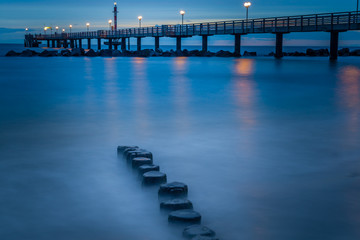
point(334, 23)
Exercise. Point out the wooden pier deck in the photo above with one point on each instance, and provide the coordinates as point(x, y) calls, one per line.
point(334, 23)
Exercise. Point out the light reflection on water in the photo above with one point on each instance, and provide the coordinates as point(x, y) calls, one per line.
point(266, 147)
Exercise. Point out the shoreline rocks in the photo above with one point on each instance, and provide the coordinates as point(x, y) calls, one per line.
point(80, 52)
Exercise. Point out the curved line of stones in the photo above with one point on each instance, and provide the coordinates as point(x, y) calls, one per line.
point(173, 196)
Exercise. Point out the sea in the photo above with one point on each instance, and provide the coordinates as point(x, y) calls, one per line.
point(270, 149)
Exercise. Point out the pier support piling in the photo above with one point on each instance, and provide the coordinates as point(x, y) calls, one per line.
point(279, 45)
point(139, 44)
point(157, 43)
point(204, 43)
point(110, 44)
point(178, 43)
point(237, 45)
point(80, 43)
point(99, 43)
point(123, 44)
point(48, 43)
point(334, 45)
point(58, 44)
point(53, 43)
point(72, 45)
point(89, 43)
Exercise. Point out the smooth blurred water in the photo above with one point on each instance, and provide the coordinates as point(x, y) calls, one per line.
point(269, 149)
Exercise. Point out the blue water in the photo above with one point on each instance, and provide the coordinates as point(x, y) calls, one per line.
point(269, 149)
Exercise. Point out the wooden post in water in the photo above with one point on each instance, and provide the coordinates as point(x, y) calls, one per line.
point(334, 45)
point(178, 43)
point(205, 43)
point(110, 43)
point(138, 44)
point(123, 44)
point(99, 43)
point(157, 43)
point(279, 45)
point(237, 45)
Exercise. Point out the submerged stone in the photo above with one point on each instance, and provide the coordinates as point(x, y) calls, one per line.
point(184, 216)
point(148, 168)
point(154, 178)
point(174, 189)
point(176, 204)
point(131, 155)
point(138, 161)
point(121, 149)
point(198, 230)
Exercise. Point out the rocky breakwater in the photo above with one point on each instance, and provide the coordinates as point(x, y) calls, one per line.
point(79, 52)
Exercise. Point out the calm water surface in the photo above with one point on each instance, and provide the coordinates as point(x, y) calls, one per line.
point(269, 149)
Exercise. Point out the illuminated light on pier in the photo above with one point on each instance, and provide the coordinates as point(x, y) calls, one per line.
point(182, 13)
point(87, 26)
point(140, 18)
point(110, 22)
point(247, 5)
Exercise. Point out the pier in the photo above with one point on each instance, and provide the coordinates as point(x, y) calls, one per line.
point(333, 23)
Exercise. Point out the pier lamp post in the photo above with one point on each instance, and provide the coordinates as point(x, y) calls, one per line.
point(182, 12)
point(63, 30)
point(87, 26)
point(110, 22)
point(56, 29)
point(45, 30)
point(70, 26)
point(26, 29)
point(247, 5)
point(140, 18)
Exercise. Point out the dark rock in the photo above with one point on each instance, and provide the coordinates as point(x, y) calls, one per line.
point(146, 53)
point(344, 52)
point(91, 53)
point(174, 189)
point(167, 54)
point(194, 53)
point(271, 54)
point(198, 230)
point(176, 204)
point(154, 178)
point(222, 53)
point(121, 149)
point(142, 153)
point(28, 53)
point(148, 168)
point(204, 238)
point(320, 52)
point(250, 54)
point(76, 52)
point(184, 216)
point(179, 53)
point(12, 54)
point(105, 53)
point(47, 53)
point(125, 151)
point(139, 161)
point(65, 53)
point(355, 52)
point(116, 53)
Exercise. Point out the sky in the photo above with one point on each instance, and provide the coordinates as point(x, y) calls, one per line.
point(16, 15)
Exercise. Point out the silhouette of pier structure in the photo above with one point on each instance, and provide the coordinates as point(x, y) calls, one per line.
point(333, 23)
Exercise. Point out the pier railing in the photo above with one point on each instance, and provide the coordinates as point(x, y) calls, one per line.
point(341, 21)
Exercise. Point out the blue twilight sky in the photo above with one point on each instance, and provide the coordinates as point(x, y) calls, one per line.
point(16, 15)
